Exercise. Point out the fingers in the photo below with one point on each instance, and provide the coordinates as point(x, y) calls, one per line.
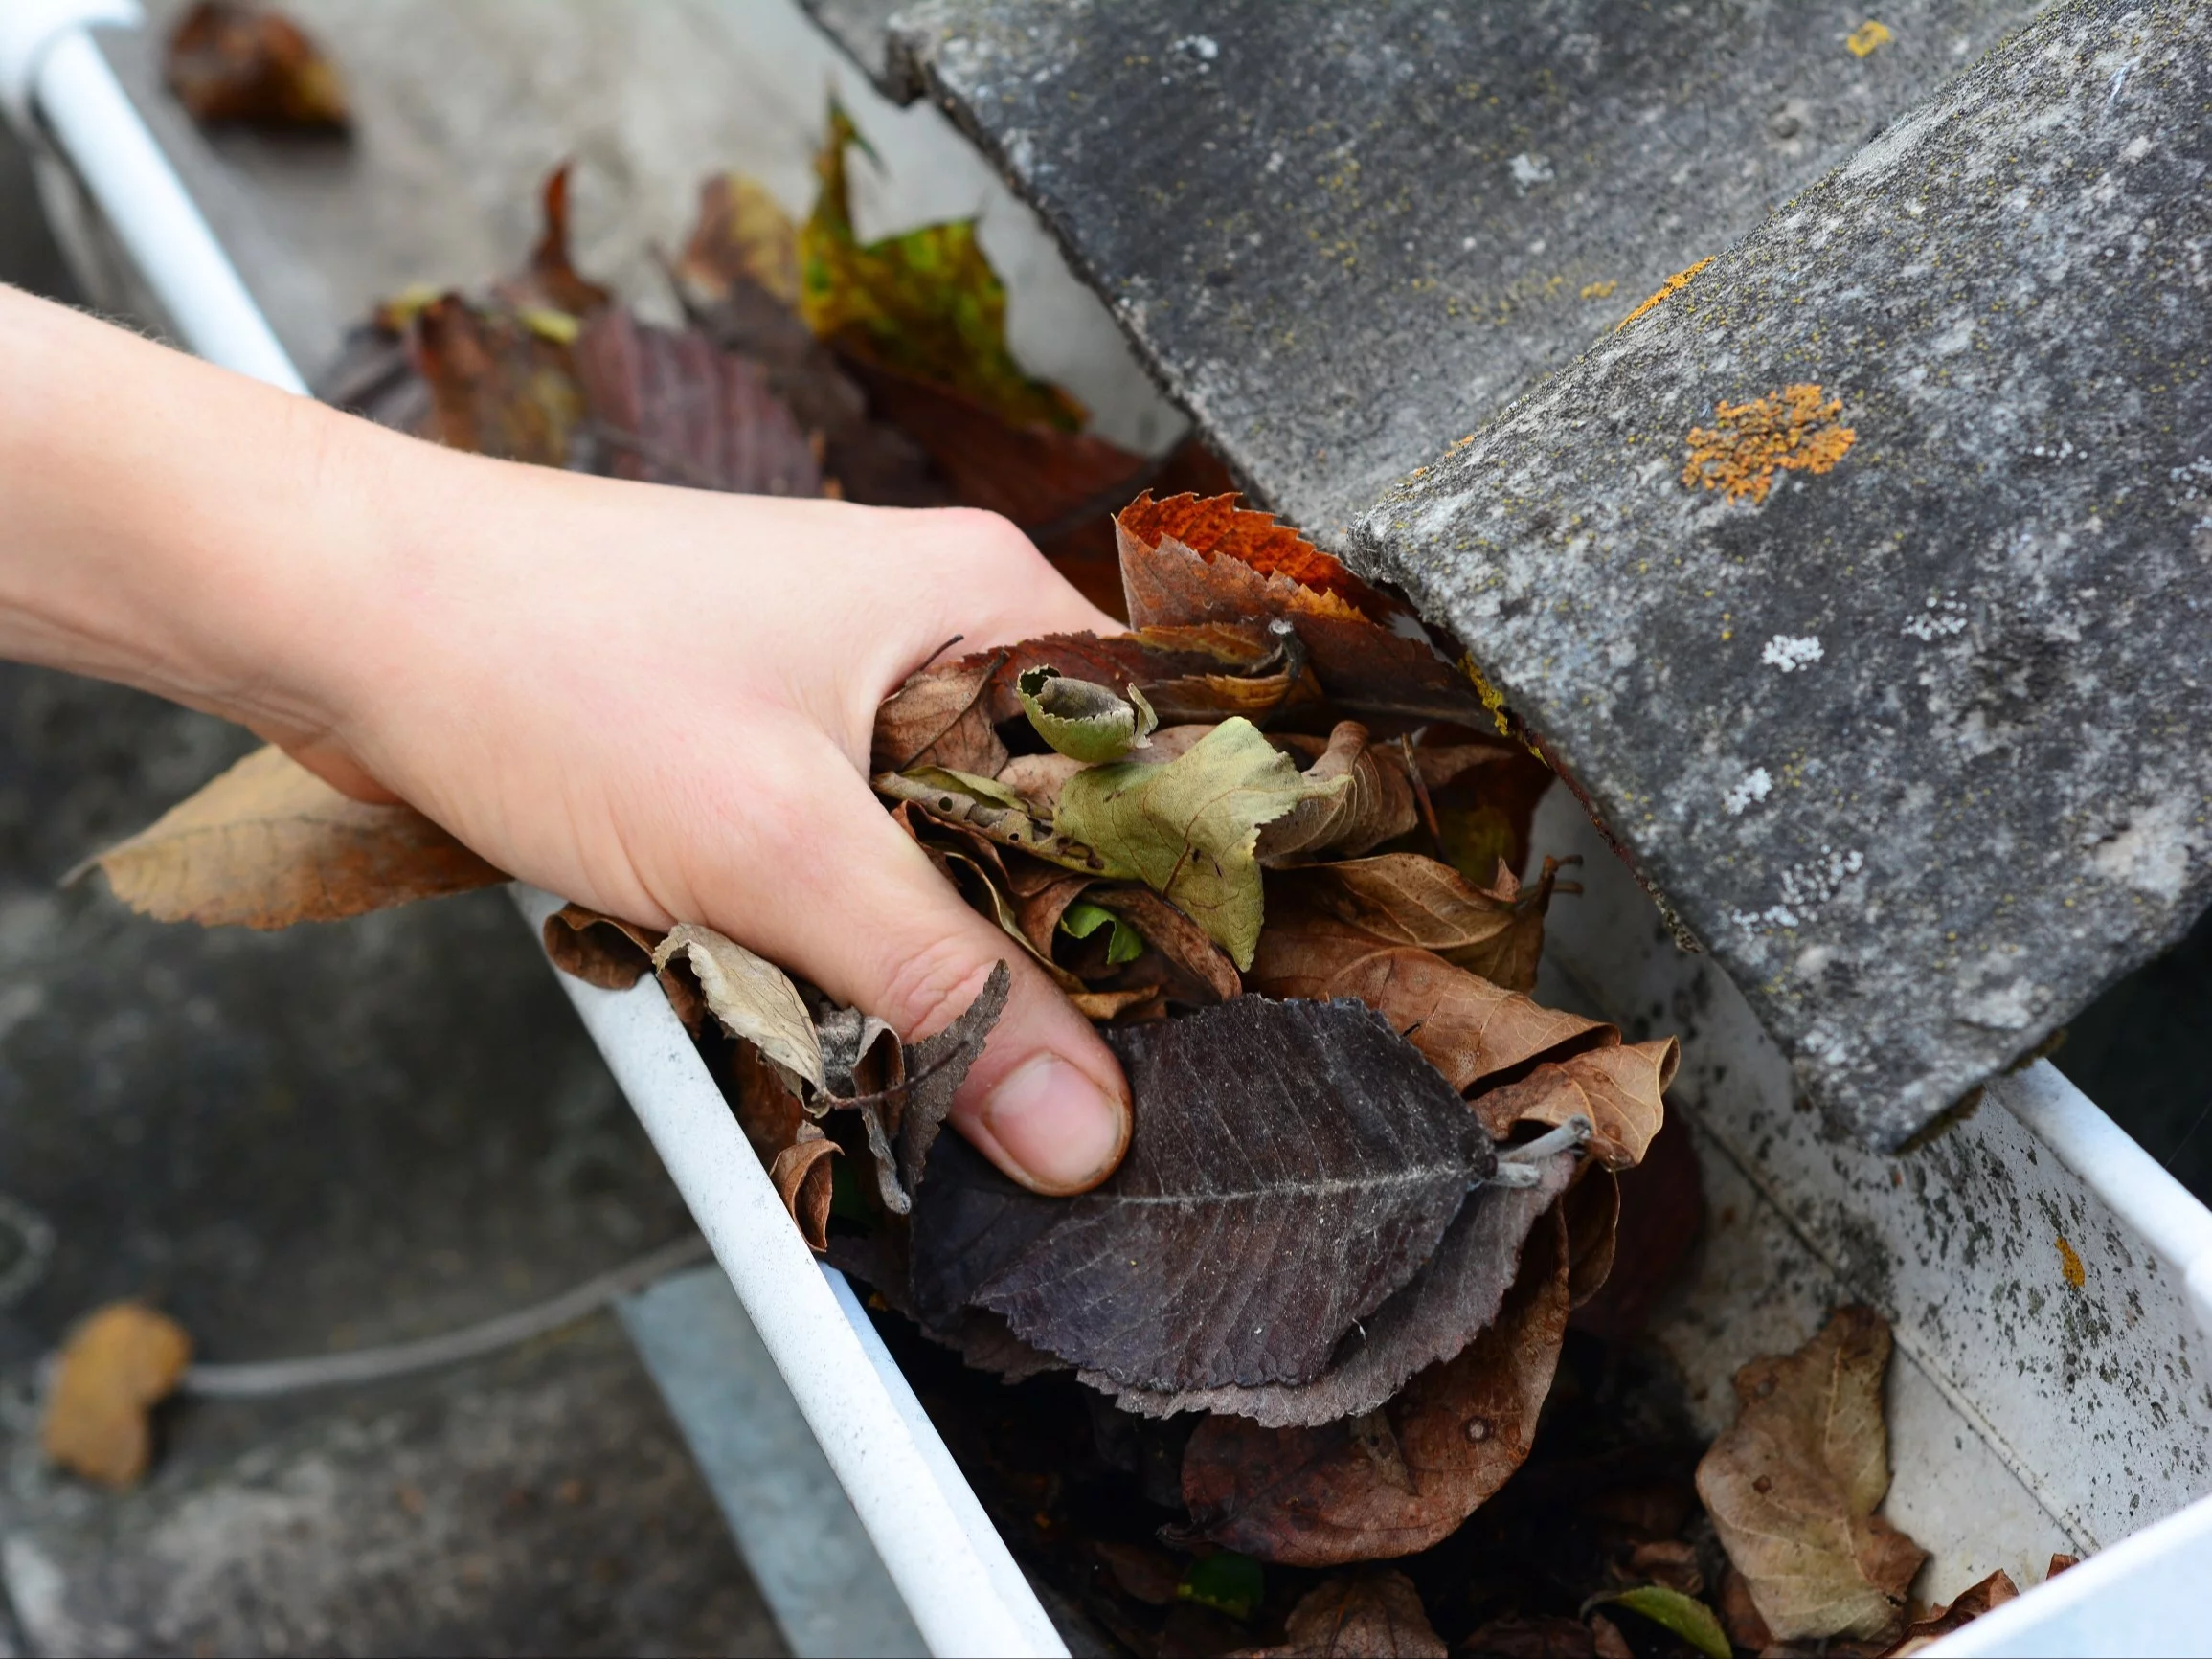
point(869, 920)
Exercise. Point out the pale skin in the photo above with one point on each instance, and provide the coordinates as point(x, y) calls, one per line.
point(654, 702)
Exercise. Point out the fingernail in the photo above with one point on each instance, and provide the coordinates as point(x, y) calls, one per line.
point(1064, 1131)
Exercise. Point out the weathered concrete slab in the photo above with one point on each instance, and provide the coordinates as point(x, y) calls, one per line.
point(1343, 234)
point(1921, 745)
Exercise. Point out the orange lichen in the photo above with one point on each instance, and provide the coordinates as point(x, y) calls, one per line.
point(1867, 37)
point(1599, 290)
point(2070, 1264)
point(1792, 430)
point(1673, 284)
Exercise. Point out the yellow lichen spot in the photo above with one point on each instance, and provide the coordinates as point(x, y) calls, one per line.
point(2070, 1264)
point(1673, 284)
point(1493, 699)
point(1599, 290)
point(1867, 38)
point(1792, 430)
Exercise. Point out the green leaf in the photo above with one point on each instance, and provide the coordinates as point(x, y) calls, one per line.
point(1189, 829)
point(1083, 720)
point(1685, 1616)
point(1225, 1581)
point(1082, 918)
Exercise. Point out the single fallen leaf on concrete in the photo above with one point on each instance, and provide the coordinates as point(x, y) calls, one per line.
point(1082, 720)
point(754, 1000)
point(1470, 1029)
point(1618, 1087)
point(1961, 1610)
point(1318, 1497)
point(1370, 1616)
point(1792, 1487)
point(117, 1365)
point(1190, 830)
point(1187, 561)
point(673, 408)
point(925, 304)
point(253, 66)
point(1292, 1166)
point(1455, 1294)
point(802, 1175)
point(268, 843)
point(598, 949)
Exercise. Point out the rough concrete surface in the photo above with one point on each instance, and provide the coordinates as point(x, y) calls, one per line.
point(1920, 744)
point(1343, 234)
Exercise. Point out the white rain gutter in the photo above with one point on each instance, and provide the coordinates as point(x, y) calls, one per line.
point(960, 1582)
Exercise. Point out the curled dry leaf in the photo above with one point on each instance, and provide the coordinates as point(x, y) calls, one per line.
point(1469, 1028)
point(1374, 805)
point(1618, 1089)
point(268, 843)
point(802, 1175)
point(752, 998)
point(1441, 1308)
point(943, 716)
point(252, 65)
point(1082, 720)
point(767, 1107)
point(598, 949)
point(1190, 830)
point(118, 1364)
point(1369, 1616)
point(938, 1064)
point(1793, 1486)
point(1961, 1610)
point(941, 796)
point(551, 284)
point(1318, 1497)
point(1292, 1166)
point(1593, 1213)
point(1406, 899)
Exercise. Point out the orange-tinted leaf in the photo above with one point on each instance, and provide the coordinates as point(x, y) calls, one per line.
point(1618, 1087)
point(268, 843)
point(1317, 1497)
point(673, 409)
point(253, 65)
point(802, 1175)
point(116, 1367)
point(550, 281)
point(1961, 1610)
point(1469, 1028)
point(1217, 527)
point(1372, 1616)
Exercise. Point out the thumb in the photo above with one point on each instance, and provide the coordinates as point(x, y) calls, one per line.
point(871, 921)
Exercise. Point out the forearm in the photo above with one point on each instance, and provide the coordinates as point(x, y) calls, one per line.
point(168, 525)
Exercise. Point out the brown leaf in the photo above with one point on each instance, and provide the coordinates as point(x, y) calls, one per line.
point(1662, 1211)
point(943, 716)
point(936, 1066)
point(1208, 974)
point(1377, 806)
point(118, 1364)
point(1036, 778)
point(253, 65)
point(1963, 1609)
point(1292, 1166)
point(1592, 1212)
point(1162, 662)
point(1312, 1497)
point(1370, 1616)
point(1469, 1028)
point(741, 235)
point(802, 1175)
point(268, 843)
point(1457, 1294)
point(550, 281)
point(1606, 1642)
point(752, 998)
point(1543, 1637)
point(1792, 1487)
point(598, 949)
point(945, 802)
point(1185, 561)
point(1510, 957)
point(498, 387)
point(1106, 1006)
point(1406, 899)
point(673, 408)
point(766, 1107)
point(1618, 1087)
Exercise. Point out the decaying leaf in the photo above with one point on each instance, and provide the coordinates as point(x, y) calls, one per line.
point(253, 65)
point(742, 233)
point(761, 1097)
point(501, 384)
point(941, 717)
point(1292, 1166)
point(936, 1066)
point(752, 998)
point(1372, 1616)
point(1469, 1028)
point(1793, 1486)
point(598, 949)
point(1374, 805)
point(1660, 1213)
point(1317, 1497)
point(1082, 720)
point(802, 1175)
point(268, 843)
point(1530, 1637)
point(946, 799)
point(1618, 1087)
point(1455, 1295)
point(1190, 829)
point(117, 1365)
point(1961, 1610)
point(550, 292)
point(1406, 899)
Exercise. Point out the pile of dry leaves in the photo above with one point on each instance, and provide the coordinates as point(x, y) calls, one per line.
point(1266, 838)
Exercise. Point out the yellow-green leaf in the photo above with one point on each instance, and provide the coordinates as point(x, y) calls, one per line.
point(1189, 829)
point(925, 302)
point(1082, 720)
point(1685, 1616)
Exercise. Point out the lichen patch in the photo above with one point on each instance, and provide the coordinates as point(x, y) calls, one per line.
point(1673, 284)
point(1796, 428)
